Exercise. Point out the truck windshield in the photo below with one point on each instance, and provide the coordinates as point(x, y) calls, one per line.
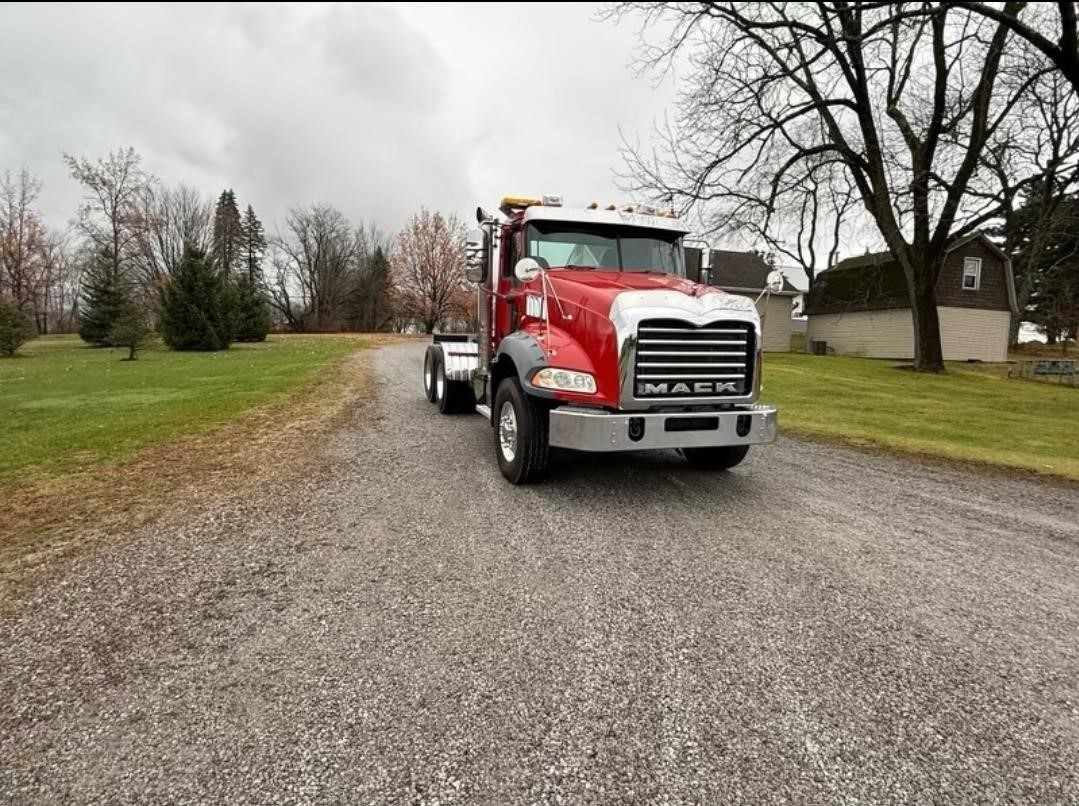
point(614, 248)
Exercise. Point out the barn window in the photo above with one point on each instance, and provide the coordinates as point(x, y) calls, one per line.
point(972, 273)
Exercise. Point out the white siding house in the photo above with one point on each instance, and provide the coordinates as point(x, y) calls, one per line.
point(860, 307)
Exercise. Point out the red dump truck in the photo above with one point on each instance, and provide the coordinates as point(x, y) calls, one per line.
point(592, 338)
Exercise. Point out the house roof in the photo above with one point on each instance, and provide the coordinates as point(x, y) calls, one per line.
point(877, 258)
point(875, 281)
point(742, 271)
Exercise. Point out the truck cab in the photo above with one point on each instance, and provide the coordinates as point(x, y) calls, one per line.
point(592, 338)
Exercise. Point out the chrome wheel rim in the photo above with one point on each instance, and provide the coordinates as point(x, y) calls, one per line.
point(507, 431)
point(427, 379)
point(440, 384)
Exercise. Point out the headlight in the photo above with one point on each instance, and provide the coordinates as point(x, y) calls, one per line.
point(565, 380)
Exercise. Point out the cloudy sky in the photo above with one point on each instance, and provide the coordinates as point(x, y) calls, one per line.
point(376, 109)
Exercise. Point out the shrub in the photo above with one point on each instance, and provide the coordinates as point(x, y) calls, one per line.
point(15, 328)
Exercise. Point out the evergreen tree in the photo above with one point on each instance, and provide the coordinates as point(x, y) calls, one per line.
point(1045, 261)
point(251, 311)
point(195, 307)
point(381, 307)
point(129, 329)
point(253, 245)
point(103, 298)
point(15, 328)
point(228, 234)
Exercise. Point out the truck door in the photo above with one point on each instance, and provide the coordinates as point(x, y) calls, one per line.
point(508, 288)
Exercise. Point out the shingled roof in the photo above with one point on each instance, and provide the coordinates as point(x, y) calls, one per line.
point(879, 258)
point(874, 282)
point(745, 271)
point(868, 283)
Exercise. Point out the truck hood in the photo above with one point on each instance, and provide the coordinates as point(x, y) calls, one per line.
point(593, 313)
point(608, 284)
point(596, 291)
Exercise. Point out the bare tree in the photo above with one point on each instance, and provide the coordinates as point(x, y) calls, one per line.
point(170, 219)
point(428, 267)
point(1048, 27)
point(112, 215)
point(314, 264)
point(22, 235)
point(54, 301)
point(899, 99)
point(808, 224)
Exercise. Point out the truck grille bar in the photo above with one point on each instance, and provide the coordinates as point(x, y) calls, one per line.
point(676, 360)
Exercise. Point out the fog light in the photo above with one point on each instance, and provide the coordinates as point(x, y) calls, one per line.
point(636, 428)
point(745, 422)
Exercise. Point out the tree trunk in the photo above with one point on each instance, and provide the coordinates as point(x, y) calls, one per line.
point(428, 326)
point(928, 356)
point(1023, 299)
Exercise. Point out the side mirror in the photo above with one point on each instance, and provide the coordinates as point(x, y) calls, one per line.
point(476, 256)
point(775, 282)
point(527, 268)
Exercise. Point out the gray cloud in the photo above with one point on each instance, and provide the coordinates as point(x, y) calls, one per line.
point(375, 109)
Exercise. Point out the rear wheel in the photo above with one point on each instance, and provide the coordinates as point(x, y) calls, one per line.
point(429, 359)
point(721, 458)
point(521, 424)
point(452, 397)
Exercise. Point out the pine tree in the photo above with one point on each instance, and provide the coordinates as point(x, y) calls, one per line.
point(381, 309)
point(251, 312)
point(15, 328)
point(195, 312)
point(129, 329)
point(103, 298)
point(228, 234)
point(253, 245)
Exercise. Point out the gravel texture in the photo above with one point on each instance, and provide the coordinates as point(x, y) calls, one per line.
point(817, 626)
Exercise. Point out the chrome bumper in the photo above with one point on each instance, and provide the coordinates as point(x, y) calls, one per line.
point(589, 430)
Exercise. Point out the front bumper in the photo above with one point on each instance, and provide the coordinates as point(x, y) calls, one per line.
point(591, 430)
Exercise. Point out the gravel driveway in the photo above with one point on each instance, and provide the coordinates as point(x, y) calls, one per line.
point(817, 626)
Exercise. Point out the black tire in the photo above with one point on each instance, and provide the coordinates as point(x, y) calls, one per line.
point(723, 458)
point(429, 374)
point(525, 461)
point(451, 397)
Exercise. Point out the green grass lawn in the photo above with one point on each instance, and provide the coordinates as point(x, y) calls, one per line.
point(963, 414)
point(65, 406)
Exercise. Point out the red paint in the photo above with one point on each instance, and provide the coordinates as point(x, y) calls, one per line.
point(586, 341)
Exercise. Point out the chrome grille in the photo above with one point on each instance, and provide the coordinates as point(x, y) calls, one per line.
point(678, 360)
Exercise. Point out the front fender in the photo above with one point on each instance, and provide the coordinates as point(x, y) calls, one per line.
point(536, 346)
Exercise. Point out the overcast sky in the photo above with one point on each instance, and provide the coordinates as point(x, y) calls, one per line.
point(375, 109)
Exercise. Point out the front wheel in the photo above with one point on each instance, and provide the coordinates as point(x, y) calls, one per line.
point(722, 458)
point(521, 424)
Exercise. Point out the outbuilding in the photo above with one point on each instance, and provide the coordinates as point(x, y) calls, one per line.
point(861, 306)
